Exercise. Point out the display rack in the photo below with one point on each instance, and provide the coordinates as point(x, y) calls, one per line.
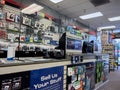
point(109, 49)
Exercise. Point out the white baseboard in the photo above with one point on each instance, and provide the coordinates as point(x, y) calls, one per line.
point(101, 85)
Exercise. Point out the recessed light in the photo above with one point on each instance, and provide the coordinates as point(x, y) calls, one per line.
point(56, 1)
point(114, 18)
point(92, 15)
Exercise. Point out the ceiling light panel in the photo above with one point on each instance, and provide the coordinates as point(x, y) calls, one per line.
point(32, 9)
point(106, 27)
point(114, 18)
point(56, 1)
point(92, 15)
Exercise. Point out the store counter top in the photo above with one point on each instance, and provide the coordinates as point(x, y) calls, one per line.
point(26, 61)
point(27, 64)
point(33, 63)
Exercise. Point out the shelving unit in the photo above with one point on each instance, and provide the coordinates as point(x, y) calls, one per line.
point(109, 49)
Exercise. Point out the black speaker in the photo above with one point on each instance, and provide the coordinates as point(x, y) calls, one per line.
point(99, 2)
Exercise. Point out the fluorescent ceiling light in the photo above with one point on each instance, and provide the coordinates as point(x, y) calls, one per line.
point(32, 9)
point(114, 18)
point(106, 27)
point(92, 15)
point(56, 1)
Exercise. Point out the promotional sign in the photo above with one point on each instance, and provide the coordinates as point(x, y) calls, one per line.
point(47, 79)
point(99, 71)
point(90, 76)
point(76, 77)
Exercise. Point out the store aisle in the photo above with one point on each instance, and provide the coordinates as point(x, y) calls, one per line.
point(114, 81)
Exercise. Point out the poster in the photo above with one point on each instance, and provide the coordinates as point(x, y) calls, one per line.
point(47, 79)
point(90, 76)
point(99, 71)
point(76, 77)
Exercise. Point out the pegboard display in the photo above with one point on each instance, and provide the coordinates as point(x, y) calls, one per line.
point(3, 33)
point(39, 29)
point(35, 30)
point(11, 9)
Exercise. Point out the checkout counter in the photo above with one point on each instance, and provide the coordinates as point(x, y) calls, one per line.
point(35, 73)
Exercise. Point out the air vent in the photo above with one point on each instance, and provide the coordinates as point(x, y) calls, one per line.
point(99, 2)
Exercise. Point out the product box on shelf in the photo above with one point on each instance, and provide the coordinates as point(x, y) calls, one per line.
point(15, 81)
point(76, 77)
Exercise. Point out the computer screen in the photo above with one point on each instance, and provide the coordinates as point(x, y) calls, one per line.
point(74, 44)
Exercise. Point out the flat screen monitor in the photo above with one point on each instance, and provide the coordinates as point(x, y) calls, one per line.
point(74, 44)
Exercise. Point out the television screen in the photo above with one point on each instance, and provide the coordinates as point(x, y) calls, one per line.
point(88, 47)
point(74, 44)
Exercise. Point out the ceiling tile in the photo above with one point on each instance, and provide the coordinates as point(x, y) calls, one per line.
point(82, 6)
point(80, 12)
point(75, 8)
point(66, 4)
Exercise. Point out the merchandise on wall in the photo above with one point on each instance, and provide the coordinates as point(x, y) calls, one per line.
point(39, 29)
point(85, 36)
point(33, 29)
point(109, 49)
point(3, 34)
point(73, 32)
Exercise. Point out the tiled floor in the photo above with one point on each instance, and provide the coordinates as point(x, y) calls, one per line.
point(114, 81)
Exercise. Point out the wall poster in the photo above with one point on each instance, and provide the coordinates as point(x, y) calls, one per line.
point(76, 77)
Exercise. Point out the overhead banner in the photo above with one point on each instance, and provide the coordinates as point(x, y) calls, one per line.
point(47, 79)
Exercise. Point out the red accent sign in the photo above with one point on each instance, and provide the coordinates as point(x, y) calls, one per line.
point(92, 32)
point(112, 35)
point(16, 3)
point(49, 17)
point(2, 2)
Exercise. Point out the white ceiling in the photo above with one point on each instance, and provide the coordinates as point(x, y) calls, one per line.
point(75, 8)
